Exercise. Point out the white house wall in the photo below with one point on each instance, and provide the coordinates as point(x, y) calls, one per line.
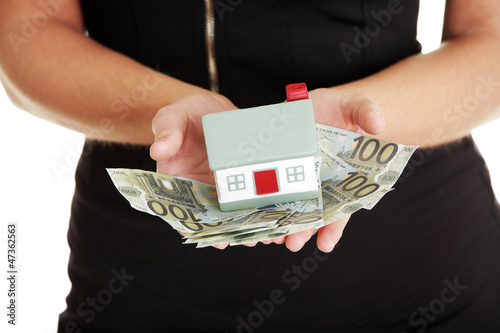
point(309, 184)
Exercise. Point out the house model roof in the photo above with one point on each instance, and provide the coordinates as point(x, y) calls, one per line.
point(261, 134)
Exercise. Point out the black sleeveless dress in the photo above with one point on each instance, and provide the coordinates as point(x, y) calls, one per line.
point(426, 258)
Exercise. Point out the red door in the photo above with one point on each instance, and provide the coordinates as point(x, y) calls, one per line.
point(266, 182)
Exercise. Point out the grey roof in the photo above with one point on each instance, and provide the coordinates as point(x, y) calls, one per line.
point(261, 134)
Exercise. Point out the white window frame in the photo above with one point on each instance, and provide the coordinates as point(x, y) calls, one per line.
point(293, 173)
point(237, 181)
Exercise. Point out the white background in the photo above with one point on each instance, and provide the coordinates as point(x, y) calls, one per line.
point(37, 196)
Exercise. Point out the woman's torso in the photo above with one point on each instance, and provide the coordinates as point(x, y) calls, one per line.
point(391, 260)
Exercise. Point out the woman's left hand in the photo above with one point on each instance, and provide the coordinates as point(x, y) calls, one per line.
point(350, 111)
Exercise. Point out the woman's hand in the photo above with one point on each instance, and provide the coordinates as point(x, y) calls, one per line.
point(179, 147)
point(349, 111)
point(180, 150)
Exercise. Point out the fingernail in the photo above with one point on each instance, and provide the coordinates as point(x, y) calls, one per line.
point(159, 140)
point(377, 109)
point(379, 123)
point(163, 138)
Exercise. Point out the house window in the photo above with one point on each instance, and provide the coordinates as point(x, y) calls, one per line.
point(295, 174)
point(236, 182)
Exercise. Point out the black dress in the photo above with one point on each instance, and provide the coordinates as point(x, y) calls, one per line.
point(426, 258)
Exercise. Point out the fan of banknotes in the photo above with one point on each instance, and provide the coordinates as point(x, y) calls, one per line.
point(354, 171)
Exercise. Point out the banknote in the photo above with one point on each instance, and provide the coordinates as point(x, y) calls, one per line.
point(171, 198)
point(381, 160)
point(192, 207)
point(305, 215)
point(330, 215)
point(344, 191)
point(354, 171)
point(332, 167)
point(262, 220)
point(292, 214)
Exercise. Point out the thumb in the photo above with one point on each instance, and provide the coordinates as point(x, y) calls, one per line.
point(365, 113)
point(169, 127)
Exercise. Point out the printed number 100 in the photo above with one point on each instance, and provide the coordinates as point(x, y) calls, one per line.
point(356, 182)
point(371, 148)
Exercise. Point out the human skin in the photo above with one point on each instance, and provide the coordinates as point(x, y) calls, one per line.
point(64, 81)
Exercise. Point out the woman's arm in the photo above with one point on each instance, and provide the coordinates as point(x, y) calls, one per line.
point(429, 99)
point(54, 72)
point(426, 99)
point(441, 96)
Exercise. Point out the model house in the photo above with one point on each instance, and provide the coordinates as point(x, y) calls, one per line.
point(264, 155)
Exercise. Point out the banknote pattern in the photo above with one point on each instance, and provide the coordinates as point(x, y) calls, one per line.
point(354, 171)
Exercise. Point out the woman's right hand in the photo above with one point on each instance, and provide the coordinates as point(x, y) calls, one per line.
point(179, 147)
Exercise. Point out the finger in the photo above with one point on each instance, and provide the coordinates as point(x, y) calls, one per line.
point(250, 244)
point(169, 127)
point(364, 112)
point(166, 147)
point(296, 241)
point(221, 246)
point(279, 240)
point(276, 240)
point(329, 235)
